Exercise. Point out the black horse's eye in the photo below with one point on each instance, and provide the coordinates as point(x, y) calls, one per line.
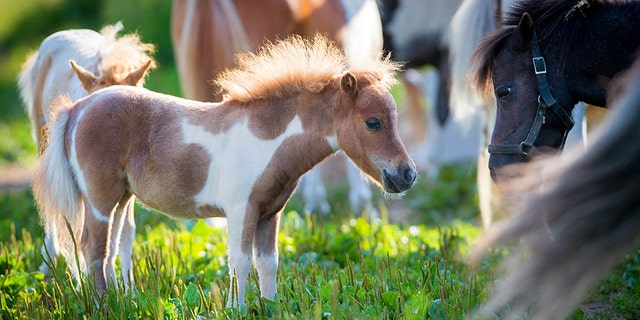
point(503, 92)
point(373, 123)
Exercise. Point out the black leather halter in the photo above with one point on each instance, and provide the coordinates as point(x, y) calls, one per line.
point(546, 101)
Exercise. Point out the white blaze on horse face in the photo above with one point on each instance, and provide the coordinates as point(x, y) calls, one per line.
point(238, 158)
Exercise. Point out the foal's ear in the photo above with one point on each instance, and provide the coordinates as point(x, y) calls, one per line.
point(87, 78)
point(348, 84)
point(137, 76)
point(525, 27)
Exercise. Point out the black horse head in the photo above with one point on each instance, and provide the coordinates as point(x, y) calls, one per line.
point(542, 61)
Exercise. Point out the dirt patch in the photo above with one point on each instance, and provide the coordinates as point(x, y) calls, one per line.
point(595, 309)
point(16, 177)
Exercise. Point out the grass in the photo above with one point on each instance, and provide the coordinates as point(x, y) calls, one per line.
point(338, 266)
point(331, 267)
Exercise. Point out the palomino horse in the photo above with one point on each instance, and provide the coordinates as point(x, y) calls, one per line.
point(543, 60)
point(97, 60)
point(571, 232)
point(207, 34)
point(285, 109)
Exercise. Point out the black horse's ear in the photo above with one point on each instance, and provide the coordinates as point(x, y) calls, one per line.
point(586, 7)
point(525, 27)
point(348, 84)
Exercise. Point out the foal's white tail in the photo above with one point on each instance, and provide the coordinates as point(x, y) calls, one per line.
point(54, 186)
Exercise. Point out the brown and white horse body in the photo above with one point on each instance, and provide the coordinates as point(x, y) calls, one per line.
point(241, 158)
point(207, 34)
point(76, 63)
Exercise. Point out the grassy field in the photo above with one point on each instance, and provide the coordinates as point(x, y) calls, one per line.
point(409, 264)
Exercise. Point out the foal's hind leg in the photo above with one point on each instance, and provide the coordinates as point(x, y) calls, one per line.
point(126, 244)
point(265, 247)
point(103, 228)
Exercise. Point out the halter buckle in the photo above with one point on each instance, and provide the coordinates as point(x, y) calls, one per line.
point(525, 148)
point(539, 66)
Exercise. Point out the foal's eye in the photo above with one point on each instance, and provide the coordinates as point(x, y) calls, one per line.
point(503, 92)
point(373, 123)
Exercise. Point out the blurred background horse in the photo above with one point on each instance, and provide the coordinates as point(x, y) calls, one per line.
point(97, 60)
point(207, 34)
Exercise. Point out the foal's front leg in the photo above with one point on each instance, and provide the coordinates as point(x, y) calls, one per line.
point(241, 229)
point(266, 251)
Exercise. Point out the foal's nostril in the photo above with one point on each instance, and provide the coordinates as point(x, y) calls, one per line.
point(409, 175)
point(399, 180)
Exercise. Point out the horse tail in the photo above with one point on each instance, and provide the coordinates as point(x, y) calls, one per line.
point(579, 225)
point(54, 186)
point(200, 58)
point(27, 86)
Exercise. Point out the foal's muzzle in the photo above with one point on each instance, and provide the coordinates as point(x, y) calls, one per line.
point(400, 180)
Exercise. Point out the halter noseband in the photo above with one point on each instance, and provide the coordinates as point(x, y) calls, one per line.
point(546, 101)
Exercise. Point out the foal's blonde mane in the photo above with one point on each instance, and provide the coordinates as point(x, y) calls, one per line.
point(296, 64)
point(124, 54)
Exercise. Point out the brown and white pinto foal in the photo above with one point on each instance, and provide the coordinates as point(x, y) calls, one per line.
point(97, 60)
point(286, 109)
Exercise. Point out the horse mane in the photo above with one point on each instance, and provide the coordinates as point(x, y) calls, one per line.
point(124, 54)
point(586, 217)
point(548, 17)
point(296, 64)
